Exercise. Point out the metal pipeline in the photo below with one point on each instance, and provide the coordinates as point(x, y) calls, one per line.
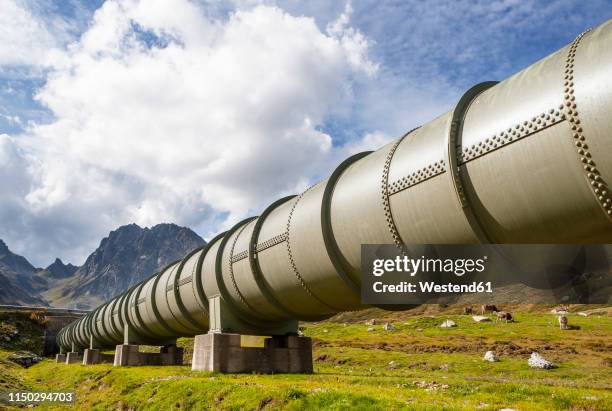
point(526, 160)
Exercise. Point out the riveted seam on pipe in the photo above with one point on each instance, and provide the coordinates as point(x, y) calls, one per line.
point(199, 287)
point(156, 313)
point(171, 288)
point(492, 143)
point(255, 248)
point(292, 260)
point(278, 239)
point(137, 310)
point(177, 294)
point(126, 312)
point(386, 200)
point(511, 135)
point(240, 256)
point(231, 270)
point(599, 187)
point(245, 316)
point(457, 176)
point(331, 246)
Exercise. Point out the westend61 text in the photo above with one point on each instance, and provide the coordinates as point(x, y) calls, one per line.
point(431, 287)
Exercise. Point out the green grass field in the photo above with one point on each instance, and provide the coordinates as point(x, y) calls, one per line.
point(418, 366)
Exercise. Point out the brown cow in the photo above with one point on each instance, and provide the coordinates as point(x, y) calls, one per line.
point(487, 308)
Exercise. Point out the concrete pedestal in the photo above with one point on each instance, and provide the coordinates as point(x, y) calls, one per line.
point(128, 355)
point(60, 358)
point(74, 358)
point(223, 353)
point(94, 356)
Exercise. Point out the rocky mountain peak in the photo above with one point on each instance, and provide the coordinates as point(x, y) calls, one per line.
point(128, 255)
point(60, 270)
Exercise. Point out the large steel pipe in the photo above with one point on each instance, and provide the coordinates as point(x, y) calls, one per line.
point(525, 160)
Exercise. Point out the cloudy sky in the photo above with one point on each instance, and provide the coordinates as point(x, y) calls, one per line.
point(202, 112)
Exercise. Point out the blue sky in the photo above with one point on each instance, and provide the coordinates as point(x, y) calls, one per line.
point(116, 113)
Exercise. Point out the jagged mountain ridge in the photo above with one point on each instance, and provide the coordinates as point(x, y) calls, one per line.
point(60, 270)
point(127, 256)
point(18, 281)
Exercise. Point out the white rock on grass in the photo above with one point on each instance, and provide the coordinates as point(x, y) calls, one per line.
point(480, 318)
point(370, 328)
point(389, 327)
point(448, 324)
point(537, 361)
point(490, 356)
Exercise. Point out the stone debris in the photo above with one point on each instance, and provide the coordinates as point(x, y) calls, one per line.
point(490, 356)
point(370, 328)
point(480, 318)
point(389, 327)
point(583, 314)
point(448, 324)
point(537, 361)
point(25, 358)
point(393, 365)
point(431, 386)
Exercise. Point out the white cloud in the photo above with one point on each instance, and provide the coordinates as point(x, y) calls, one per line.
point(25, 40)
point(163, 114)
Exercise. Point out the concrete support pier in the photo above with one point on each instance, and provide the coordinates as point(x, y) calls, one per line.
point(74, 358)
point(94, 356)
point(280, 354)
point(60, 358)
point(128, 355)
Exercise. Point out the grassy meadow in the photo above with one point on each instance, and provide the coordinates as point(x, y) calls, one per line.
point(418, 366)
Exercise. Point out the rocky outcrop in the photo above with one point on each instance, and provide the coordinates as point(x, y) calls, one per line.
point(127, 256)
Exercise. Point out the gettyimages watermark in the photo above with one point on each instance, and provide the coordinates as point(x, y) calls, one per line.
point(486, 273)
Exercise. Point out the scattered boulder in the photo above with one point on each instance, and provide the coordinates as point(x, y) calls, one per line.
point(448, 324)
point(490, 356)
point(25, 358)
point(480, 318)
point(393, 365)
point(370, 328)
point(389, 327)
point(431, 386)
point(583, 314)
point(537, 361)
